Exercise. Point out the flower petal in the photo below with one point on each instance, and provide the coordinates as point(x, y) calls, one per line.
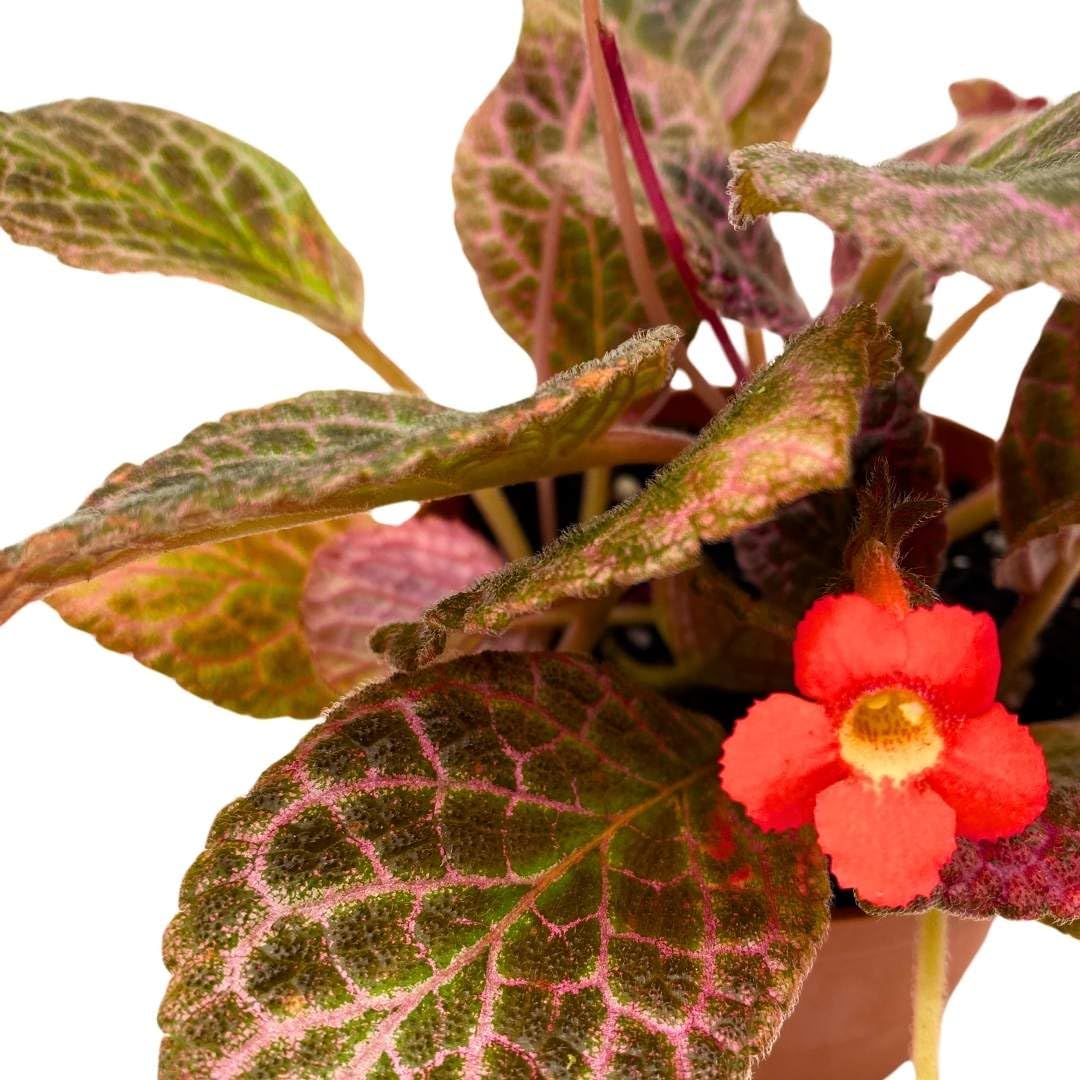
point(954, 654)
point(844, 643)
point(993, 774)
point(781, 754)
point(887, 842)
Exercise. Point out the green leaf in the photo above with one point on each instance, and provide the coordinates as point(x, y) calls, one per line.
point(784, 436)
point(223, 620)
point(789, 87)
point(1011, 217)
point(1038, 456)
point(509, 865)
point(109, 186)
point(1036, 873)
point(374, 574)
point(327, 454)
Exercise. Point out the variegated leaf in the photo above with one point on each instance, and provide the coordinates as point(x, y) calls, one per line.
point(786, 435)
point(1011, 216)
point(1038, 456)
point(223, 620)
point(110, 186)
point(509, 865)
point(789, 86)
point(327, 454)
point(373, 574)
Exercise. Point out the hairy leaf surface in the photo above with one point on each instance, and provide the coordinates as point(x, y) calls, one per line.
point(1035, 874)
point(326, 454)
point(507, 865)
point(1011, 216)
point(786, 435)
point(375, 574)
point(110, 186)
point(223, 620)
point(1038, 456)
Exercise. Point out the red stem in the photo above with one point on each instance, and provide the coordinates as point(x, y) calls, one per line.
point(650, 180)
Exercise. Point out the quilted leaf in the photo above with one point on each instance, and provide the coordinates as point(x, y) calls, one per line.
point(326, 454)
point(223, 620)
point(509, 865)
point(1038, 456)
point(373, 574)
point(1035, 874)
point(786, 435)
point(110, 186)
point(1011, 216)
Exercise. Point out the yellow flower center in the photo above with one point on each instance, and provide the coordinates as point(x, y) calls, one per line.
point(890, 734)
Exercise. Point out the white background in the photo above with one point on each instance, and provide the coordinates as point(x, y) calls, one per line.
point(113, 774)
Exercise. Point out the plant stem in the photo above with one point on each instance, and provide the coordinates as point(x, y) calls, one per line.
point(587, 627)
point(931, 960)
point(379, 362)
point(654, 191)
point(755, 349)
point(972, 513)
point(1022, 628)
point(503, 522)
point(595, 492)
point(952, 335)
point(628, 614)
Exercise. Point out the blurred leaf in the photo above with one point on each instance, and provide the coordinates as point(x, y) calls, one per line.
point(326, 454)
point(1038, 456)
point(1036, 873)
point(105, 185)
point(375, 574)
point(508, 865)
point(223, 620)
point(784, 436)
point(789, 87)
point(1011, 216)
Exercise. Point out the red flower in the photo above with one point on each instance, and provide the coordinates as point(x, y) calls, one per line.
point(900, 750)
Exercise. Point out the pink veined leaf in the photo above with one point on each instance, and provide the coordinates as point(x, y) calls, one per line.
point(509, 865)
point(1038, 457)
point(1010, 216)
point(377, 573)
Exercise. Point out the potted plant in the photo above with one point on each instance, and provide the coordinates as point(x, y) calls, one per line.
point(650, 663)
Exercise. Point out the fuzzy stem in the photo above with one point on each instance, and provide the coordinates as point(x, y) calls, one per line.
point(931, 962)
point(654, 191)
point(972, 513)
point(1022, 628)
point(503, 522)
point(952, 335)
point(755, 349)
point(379, 362)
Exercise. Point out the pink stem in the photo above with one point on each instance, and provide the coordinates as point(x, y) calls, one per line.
point(669, 231)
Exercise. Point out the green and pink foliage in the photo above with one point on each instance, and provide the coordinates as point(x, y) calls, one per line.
point(508, 864)
point(326, 454)
point(786, 435)
point(1011, 215)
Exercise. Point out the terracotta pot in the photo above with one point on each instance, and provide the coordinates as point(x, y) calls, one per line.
point(853, 1019)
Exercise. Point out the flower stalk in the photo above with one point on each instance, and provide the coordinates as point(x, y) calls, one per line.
point(928, 997)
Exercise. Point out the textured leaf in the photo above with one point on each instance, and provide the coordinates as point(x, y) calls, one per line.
point(789, 87)
point(1038, 457)
point(784, 436)
point(374, 574)
point(327, 454)
point(1011, 217)
point(691, 67)
point(110, 186)
point(1035, 874)
point(985, 110)
point(223, 620)
point(510, 865)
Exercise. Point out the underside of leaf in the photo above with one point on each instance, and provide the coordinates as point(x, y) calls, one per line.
point(508, 865)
